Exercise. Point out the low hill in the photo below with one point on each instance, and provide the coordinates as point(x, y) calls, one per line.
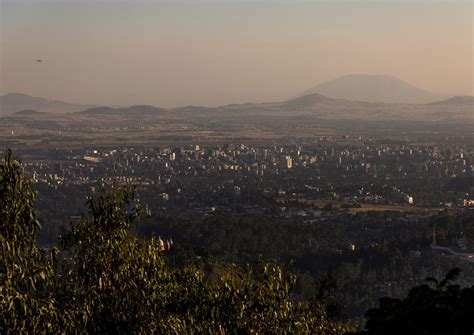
point(465, 100)
point(29, 112)
point(132, 111)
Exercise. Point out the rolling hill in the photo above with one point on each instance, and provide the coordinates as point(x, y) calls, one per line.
point(132, 111)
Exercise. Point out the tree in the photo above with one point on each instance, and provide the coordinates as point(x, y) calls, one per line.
point(111, 278)
point(27, 301)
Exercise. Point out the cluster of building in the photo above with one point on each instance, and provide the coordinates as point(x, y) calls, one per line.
point(300, 178)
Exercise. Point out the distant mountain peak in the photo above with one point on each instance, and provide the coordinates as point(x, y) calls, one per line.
point(374, 88)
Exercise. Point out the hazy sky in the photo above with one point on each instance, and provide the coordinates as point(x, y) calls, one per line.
point(210, 53)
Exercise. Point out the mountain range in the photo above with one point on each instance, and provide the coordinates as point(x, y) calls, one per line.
point(386, 102)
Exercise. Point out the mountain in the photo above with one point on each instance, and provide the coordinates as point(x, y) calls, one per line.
point(16, 102)
point(132, 111)
point(374, 88)
point(465, 100)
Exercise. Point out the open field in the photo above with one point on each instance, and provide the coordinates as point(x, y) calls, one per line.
point(75, 130)
point(339, 205)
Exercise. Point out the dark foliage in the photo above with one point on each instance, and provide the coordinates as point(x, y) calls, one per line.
point(438, 307)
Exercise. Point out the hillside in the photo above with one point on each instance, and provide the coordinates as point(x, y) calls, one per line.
point(16, 102)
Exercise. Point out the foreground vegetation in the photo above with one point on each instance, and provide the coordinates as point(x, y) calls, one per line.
point(103, 278)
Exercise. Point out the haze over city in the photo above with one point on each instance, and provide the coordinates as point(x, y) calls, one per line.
point(176, 53)
point(236, 167)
